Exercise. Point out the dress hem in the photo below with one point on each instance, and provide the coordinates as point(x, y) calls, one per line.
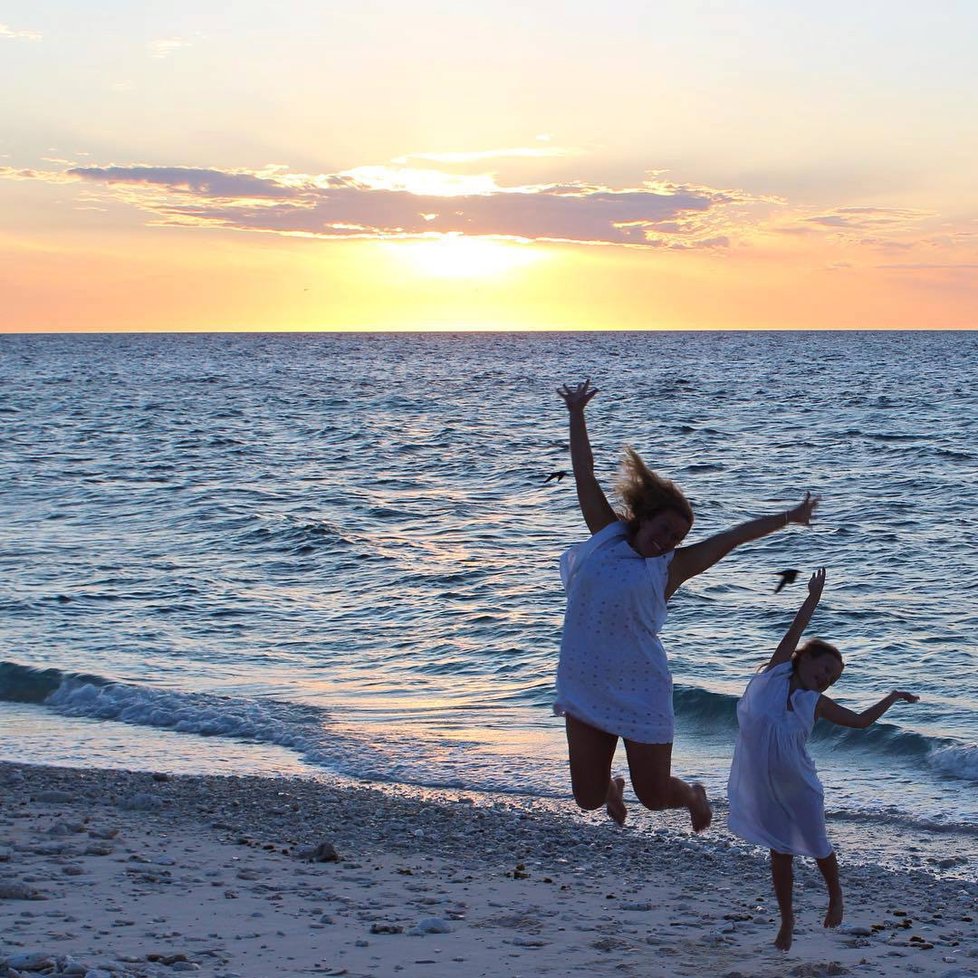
point(560, 711)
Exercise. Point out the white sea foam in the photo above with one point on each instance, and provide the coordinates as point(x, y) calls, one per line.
point(958, 761)
point(194, 713)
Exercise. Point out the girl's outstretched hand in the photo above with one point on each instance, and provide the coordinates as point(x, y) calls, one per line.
point(899, 694)
point(577, 397)
point(803, 512)
point(816, 583)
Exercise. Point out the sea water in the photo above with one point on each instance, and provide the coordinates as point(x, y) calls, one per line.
point(306, 553)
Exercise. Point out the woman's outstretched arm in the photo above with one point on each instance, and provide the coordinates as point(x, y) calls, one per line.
point(804, 615)
point(831, 711)
point(594, 504)
point(690, 561)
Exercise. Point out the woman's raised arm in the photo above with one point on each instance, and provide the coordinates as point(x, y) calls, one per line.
point(595, 508)
point(693, 560)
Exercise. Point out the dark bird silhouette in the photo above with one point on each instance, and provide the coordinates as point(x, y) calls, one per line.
point(554, 475)
point(787, 577)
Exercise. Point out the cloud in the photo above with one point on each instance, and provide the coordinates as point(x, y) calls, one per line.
point(201, 182)
point(27, 173)
point(931, 266)
point(164, 47)
point(869, 218)
point(421, 181)
point(415, 201)
point(6, 31)
point(386, 202)
point(881, 228)
point(888, 244)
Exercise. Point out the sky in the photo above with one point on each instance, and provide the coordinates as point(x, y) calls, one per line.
point(436, 165)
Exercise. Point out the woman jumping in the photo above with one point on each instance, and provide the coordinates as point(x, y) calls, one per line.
point(613, 678)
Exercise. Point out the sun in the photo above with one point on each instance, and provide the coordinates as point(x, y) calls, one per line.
point(457, 256)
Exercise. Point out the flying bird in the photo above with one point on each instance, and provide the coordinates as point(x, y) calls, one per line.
point(554, 475)
point(787, 577)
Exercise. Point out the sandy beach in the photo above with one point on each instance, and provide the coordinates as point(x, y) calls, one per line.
point(134, 874)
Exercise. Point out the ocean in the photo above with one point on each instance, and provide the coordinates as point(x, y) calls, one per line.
point(338, 553)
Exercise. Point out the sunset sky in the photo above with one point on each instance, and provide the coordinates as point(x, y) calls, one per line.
point(451, 165)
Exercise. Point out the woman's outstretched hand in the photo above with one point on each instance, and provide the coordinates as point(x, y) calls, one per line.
point(576, 397)
point(816, 583)
point(803, 512)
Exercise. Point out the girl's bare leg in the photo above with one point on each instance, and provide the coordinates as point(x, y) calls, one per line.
point(615, 802)
point(782, 872)
point(650, 766)
point(829, 868)
point(591, 752)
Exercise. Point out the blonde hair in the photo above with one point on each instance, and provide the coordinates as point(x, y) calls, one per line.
point(644, 494)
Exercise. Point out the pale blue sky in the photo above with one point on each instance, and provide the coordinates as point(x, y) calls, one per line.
point(739, 91)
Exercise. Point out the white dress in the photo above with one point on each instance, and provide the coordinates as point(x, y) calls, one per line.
point(775, 797)
point(613, 671)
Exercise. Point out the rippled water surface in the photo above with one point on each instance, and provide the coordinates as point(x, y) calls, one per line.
point(342, 548)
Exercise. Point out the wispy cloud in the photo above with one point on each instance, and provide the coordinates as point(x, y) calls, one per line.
point(878, 228)
point(868, 218)
point(6, 31)
point(28, 173)
point(164, 47)
point(219, 184)
point(421, 181)
point(931, 266)
point(387, 202)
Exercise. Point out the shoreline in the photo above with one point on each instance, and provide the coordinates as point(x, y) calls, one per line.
point(142, 874)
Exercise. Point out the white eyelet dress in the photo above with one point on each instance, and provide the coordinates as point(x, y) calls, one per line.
point(613, 672)
point(775, 796)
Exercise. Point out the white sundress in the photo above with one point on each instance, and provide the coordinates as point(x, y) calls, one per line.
point(775, 796)
point(613, 671)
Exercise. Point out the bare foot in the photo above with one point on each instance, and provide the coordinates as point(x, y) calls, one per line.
point(615, 802)
point(833, 916)
point(700, 812)
point(783, 941)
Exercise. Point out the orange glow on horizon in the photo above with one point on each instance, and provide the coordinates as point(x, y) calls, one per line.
point(188, 279)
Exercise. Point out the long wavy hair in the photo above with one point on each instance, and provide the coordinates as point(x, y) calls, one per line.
point(643, 494)
point(816, 648)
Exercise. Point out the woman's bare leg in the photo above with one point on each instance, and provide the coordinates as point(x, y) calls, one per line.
point(650, 766)
point(591, 752)
point(829, 868)
point(782, 872)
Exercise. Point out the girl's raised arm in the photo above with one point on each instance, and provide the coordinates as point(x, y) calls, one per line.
point(690, 561)
point(793, 635)
point(830, 710)
point(594, 504)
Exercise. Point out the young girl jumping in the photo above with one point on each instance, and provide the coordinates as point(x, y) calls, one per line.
point(775, 797)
